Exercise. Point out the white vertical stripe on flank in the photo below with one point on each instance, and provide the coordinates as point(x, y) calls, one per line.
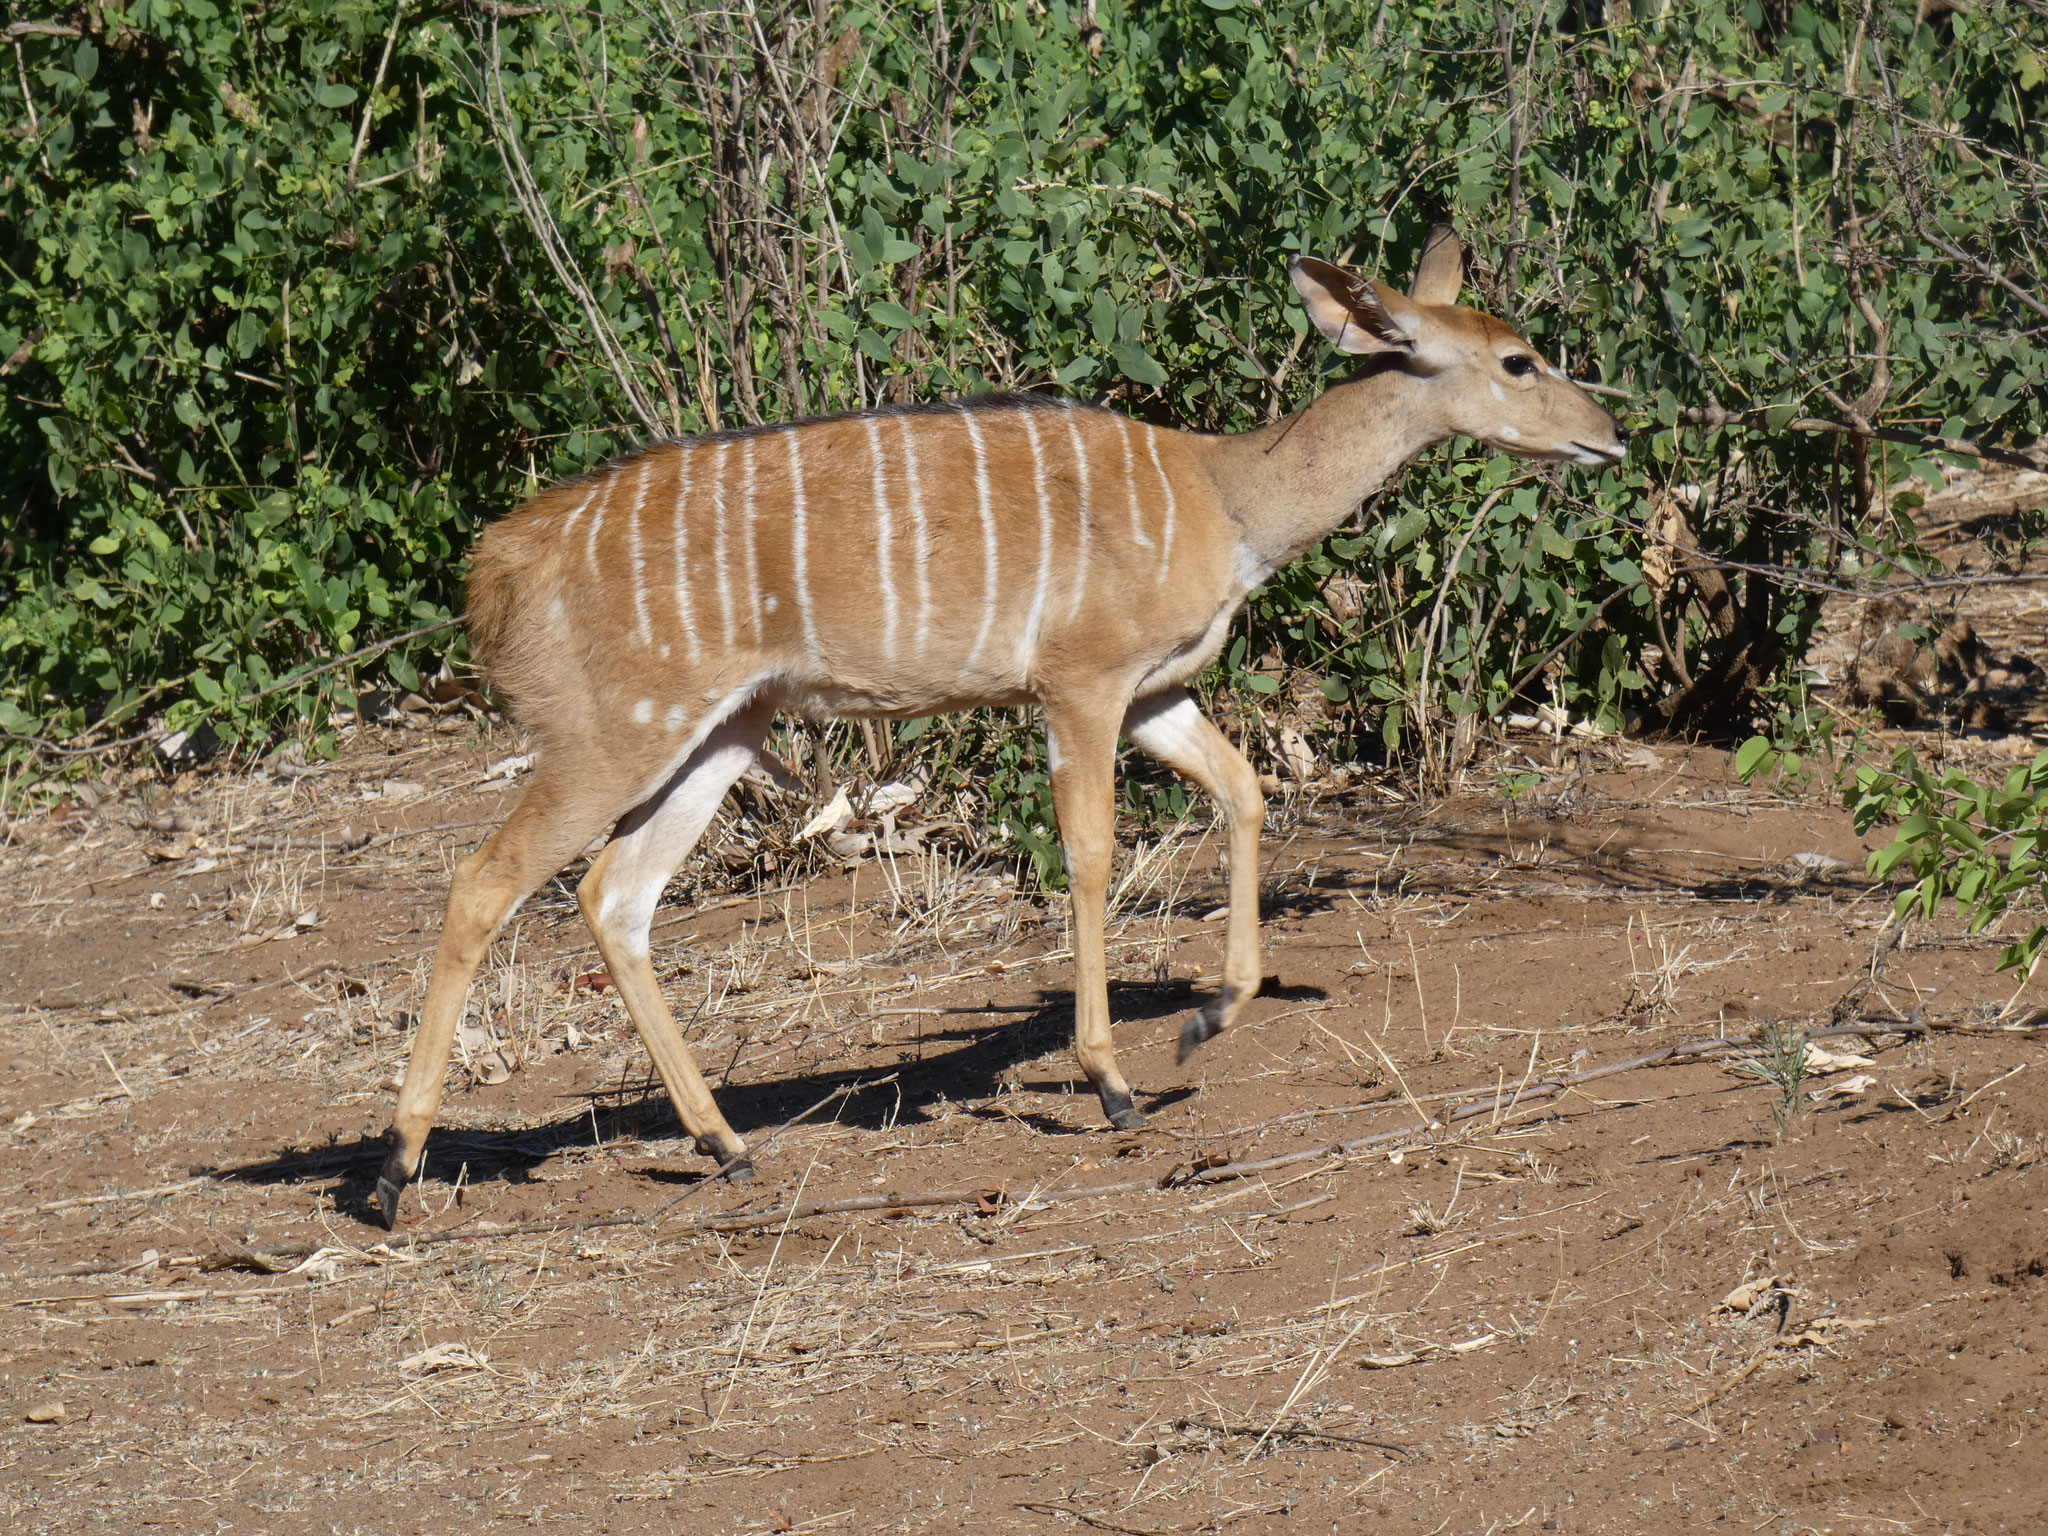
point(799, 553)
point(1123, 430)
point(569, 522)
point(1087, 512)
point(1166, 485)
point(921, 540)
point(1027, 643)
point(884, 539)
point(686, 609)
point(597, 522)
point(988, 538)
point(718, 539)
point(643, 631)
point(747, 531)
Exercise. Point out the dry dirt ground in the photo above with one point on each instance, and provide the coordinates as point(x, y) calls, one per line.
point(1346, 1280)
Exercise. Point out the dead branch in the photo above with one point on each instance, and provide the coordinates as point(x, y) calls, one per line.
point(1753, 420)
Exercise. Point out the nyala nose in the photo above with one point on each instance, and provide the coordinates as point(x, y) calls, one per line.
point(1621, 434)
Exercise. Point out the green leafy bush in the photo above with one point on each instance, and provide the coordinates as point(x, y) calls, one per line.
point(296, 298)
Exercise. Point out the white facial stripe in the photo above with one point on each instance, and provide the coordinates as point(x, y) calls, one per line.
point(920, 535)
point(643, 632)
point(1166, 485)
point(686, 609)
point(1498, 392)
point(885, 571)
point(1086, 511)
point(799, 552)
point(748, 514)
point(988, 539)
point(1027, 645)
point(718, 540)
point(1123, 428)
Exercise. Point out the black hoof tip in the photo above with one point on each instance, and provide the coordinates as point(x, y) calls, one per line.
point(1122, 1113)
point(387, 1198)
point(741, 1171)
point(1206, 1024)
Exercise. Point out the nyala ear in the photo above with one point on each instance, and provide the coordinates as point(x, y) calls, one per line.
point(1355, 314)
point(1440, 274)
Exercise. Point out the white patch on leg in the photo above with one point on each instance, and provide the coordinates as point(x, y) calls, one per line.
point(641, 862)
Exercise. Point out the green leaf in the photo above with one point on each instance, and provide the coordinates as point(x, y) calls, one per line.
point(335, 96)
point(1137, 364)
point(1753, 757)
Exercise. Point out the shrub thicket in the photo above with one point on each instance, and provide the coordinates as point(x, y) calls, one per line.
point(299, 294)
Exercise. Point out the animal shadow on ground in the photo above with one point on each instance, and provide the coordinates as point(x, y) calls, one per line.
point(951, 1065)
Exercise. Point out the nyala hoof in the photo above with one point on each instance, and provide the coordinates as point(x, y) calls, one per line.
point(391, 1182)
point(1206, 1024)
point(741, 1170)
point(387, 1197)
point(1122, 1113)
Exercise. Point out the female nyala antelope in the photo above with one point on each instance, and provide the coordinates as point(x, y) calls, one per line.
point(647, 621)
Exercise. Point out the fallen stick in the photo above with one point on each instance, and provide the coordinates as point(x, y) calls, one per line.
point(1236, 1430)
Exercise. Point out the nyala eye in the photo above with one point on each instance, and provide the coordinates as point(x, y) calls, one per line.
point(1520, 366)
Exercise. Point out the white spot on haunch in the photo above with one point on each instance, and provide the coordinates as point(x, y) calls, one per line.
point(676, 716)
point(664, 650)
point(643, 712)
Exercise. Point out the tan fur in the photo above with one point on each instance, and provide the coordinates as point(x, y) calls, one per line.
point(648, 620)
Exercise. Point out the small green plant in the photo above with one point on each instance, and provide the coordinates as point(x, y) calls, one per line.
point(1515, 785)
point(1974, 843)
point(1781, 1062)
point(1761, 758)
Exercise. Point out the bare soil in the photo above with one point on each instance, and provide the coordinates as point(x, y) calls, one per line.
point(1516, 1317)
